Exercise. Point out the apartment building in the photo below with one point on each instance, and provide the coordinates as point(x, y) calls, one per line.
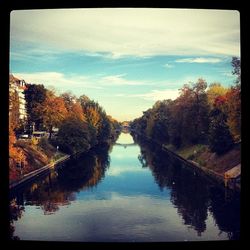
point(19, 86)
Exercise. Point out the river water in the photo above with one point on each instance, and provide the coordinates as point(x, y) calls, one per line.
point(125, 193)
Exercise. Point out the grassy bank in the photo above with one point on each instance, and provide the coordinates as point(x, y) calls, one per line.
point(38, 154)
point(201, 154)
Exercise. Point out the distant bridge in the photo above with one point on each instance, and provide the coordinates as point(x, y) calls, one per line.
point(125, 129)
point(125, 144)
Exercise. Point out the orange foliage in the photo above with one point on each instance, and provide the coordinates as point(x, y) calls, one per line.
point(94, 117)
point(77, 112)
point(53, 110)
point(219, 101)
point(16, 156)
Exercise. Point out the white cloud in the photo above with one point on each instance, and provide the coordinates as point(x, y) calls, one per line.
point(228, 74)
point(57, 80)
point(118, 80)
point(199, 60)
point(126, 31)
point(156, 95)
point(168, 66)
point(123, 169)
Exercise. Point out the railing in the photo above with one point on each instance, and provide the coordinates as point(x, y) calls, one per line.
point(37, 172)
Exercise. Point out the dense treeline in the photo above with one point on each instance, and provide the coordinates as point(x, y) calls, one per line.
point(74, 124)
point(201, 114)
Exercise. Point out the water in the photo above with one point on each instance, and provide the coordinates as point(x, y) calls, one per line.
point(126, 193)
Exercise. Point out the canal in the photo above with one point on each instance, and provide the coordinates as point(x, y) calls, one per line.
point(127, 192)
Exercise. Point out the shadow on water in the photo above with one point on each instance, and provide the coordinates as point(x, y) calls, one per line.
point(60, 186)
point(193, 195)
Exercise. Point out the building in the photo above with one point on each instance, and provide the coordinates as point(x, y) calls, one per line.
point(19, 86)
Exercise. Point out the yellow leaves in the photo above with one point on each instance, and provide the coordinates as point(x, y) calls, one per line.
point(94, 117)
point(214, 91)
point(77, 112)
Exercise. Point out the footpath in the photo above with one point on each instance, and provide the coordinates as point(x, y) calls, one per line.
point(34, 174)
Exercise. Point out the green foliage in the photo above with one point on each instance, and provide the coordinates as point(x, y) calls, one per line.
point(73, 136)
point(34, 94)
point(236, 63)
point(82, 122)
point(14, 109)
point(180, 122)
point(220, 139)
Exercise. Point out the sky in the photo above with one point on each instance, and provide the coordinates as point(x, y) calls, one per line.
point(124, 58)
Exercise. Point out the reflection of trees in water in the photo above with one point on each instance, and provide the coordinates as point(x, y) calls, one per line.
point(16, 211)
point(59, 187)
point(84, 172)
point(192, 195)
point(47, 194)
point(226, 213)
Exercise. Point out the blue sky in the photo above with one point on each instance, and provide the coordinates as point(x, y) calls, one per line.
point(126, 59)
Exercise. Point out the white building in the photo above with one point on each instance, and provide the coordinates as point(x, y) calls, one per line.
point(19, 86)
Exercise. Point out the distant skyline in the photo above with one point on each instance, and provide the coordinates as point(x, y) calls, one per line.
point(124, 58)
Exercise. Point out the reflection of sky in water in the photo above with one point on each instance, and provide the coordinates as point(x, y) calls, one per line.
point(125, 139)
point(131, 218)
point(127, 205)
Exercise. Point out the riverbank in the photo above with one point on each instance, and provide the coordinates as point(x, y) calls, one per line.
point(214, 166)
point(41, 156)
point(76, 198)
point(34, 174)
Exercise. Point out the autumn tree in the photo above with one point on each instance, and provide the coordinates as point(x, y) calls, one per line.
point(73, 106)
point(96, 117)
point(53, 111)
point(215, 90)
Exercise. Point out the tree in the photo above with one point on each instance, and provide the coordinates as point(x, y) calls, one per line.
point(53, 111)
point(13, 109)
point(190, 115)
point(73, 106)
point(233, 106)
point(236, 63)
point(220, 139)
point(35, 94)
point(200, 111)
point(74, 136)
point(215, 90)
point(234, 101)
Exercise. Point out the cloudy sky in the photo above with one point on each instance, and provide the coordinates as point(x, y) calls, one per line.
point(126, 59)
